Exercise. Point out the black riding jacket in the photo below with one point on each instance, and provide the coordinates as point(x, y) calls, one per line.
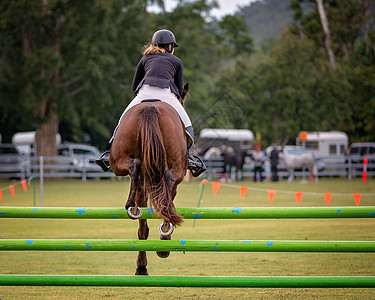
point(163, 70)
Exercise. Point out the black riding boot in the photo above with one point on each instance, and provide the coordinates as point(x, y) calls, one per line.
point(195, 164)
point(103, 161)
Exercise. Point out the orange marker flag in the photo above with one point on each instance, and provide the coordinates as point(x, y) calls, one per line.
point(271, 195)
point(215, 187)
point(328, 197)
point(298, 196)
point(357, 198)
point(204, 181)
point(243, 191)
point(11, 188)
point(24, 186)
point(1, 195)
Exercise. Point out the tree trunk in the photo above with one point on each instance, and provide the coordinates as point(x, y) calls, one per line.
point(367, 5)
point(46, 135)
point(328, 39)
point(47, 131)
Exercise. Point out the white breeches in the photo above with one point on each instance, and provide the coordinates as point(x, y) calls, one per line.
point(153, 92)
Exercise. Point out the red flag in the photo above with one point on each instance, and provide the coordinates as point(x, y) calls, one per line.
point(215, 187)
point(1, 195)
point(357, 198)
point(24, 186)
point(328, 197)
point(243, 191)
point(205, 181)
point(271, 195)
point(298, 196)
point(11, 188)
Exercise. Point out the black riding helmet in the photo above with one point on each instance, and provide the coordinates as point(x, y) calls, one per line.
point(163, 38)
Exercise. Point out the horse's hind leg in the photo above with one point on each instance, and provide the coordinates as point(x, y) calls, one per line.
point(135, 171)
point(142, 257)
point(143, 232)
point(136, 198)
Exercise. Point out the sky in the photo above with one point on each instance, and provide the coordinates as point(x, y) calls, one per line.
point(226, 6)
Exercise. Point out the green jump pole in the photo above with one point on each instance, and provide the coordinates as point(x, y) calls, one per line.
point(192, 213)
point(191, 281)
point(186, 245)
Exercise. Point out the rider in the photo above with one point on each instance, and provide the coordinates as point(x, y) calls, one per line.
point(159, 75)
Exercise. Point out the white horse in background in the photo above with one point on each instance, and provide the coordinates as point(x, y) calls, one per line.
point(212, 153)
point(301, 161)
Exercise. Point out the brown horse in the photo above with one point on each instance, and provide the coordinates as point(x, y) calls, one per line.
point(150, 146)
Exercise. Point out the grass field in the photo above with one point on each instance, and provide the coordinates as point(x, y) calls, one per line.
point(113, 193)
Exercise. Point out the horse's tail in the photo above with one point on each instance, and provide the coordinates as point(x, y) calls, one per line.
point(154, 165)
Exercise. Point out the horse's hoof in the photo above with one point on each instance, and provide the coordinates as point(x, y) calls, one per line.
point(141, 271)
point(163, 254)
point(169, 232)
point(134, 212)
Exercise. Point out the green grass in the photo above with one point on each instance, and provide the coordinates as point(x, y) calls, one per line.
point(113, 193)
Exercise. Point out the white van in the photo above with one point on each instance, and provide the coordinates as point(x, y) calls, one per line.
point(326, 143)
point(25, 142)
point(240, 139)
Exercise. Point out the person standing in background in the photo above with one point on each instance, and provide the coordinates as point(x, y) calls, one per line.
point(258, 157)
point(274, 156)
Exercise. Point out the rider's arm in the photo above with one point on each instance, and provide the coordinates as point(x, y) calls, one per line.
point(179, 78)
point(138, 75)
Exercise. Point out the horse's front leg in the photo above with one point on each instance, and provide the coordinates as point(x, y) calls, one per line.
point(143, 232)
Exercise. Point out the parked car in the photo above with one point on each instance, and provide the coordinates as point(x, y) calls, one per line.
point(359, 150)
point(362, 149)
point(6, 149)
point(11, 161)
point(82, 155)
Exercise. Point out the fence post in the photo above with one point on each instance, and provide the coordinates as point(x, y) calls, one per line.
point(41, 174)
point(84, 169)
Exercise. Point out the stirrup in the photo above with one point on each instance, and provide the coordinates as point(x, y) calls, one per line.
point(104, 164)
point(198, 168)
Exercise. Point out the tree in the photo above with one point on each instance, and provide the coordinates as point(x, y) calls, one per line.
point(62, 60)
point(354, 48)
point(236, 35)
point(291, 89)
point(344, 37)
